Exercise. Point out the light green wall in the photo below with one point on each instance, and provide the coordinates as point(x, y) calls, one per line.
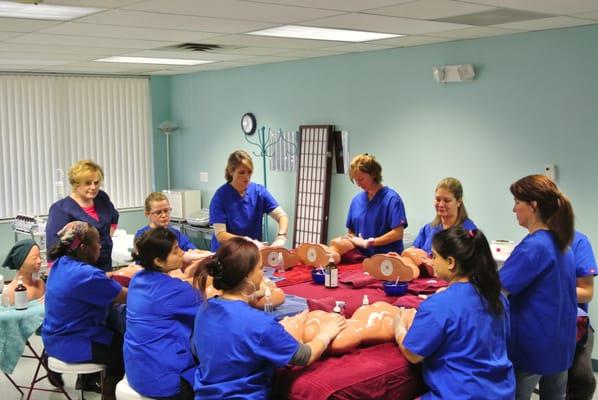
point(533, 102)
point(160, 102)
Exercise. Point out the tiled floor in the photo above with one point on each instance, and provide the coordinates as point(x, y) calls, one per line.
point(26, 368)
point(23, 374)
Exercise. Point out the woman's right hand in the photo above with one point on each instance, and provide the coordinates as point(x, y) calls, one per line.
point(333, 326)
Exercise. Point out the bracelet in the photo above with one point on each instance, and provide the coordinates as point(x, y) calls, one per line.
point(370, 242)
point(282, 234)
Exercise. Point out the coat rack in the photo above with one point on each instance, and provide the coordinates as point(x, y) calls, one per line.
point(265, 144)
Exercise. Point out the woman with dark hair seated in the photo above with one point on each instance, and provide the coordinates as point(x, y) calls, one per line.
point(239, 346)
point(77, 299)
point(160, 315)
point(460, 334)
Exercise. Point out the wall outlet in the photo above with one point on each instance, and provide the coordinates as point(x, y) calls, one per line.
point(203, 176)
point(550, 171)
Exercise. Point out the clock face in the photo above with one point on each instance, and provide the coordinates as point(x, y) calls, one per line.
point(248, 124)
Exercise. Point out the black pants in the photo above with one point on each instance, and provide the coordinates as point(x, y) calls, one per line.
point(186, 392)
point(581, 381)
point(110, 355)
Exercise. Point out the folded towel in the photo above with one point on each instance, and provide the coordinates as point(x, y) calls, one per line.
point(408, 301)
point(358, 279)
point(324, 304)
point(426, 285)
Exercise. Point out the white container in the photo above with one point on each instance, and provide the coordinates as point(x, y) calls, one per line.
point(501, 250)
point(184, 203)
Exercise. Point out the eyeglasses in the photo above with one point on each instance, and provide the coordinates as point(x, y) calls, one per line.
point(157, 213)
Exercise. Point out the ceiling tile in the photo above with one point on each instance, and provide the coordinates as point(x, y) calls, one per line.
point(45, 56)
point(39, 48)
point(310, 53)
point(30, 61)
point(410, 41)
point(379, 23)
point(476, 32)
point(341, 5)
point(8, 35)
point(430, 9)
point(24, 25)
point(35, 38)
point(249, 51)
point(545, 6)
point(170, 21)
point(17, 68)
point(546, 23)
point(235, 9)
point(92, 3)
point(589, 15)
point(356, 48)
point(127, 32)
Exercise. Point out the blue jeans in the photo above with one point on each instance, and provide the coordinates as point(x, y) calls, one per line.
point(552, 387)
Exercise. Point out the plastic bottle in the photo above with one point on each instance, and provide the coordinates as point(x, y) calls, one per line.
point(5, 298)
point(20, 295)
point(331, 274)
point(268, 306)
point(365, 301)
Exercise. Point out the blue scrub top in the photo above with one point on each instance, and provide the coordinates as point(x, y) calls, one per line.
point(583, 258)
point(66, 210)
point(184, 242)
point(373, 218)
point(241, 214)
point(541, 285)
point(239, 349)
point(157, 346)
point(464, 346)
point(77, 300)
point(426, 234)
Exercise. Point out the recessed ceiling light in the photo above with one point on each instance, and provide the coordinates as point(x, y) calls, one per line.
point(312, 32)
point(146, 60)
point(43, 11)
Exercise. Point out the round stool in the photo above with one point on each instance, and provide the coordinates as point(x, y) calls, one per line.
point(56, 365)
point(126, 392)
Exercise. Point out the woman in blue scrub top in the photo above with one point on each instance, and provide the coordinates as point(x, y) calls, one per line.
point(88, 203)
point(157, 210)
point(77, 299)
point(160, 315)
point(450, 211)
point(238, 206)
point(460, 334)
point(376, 218)
point(239, 347)
point(539, 277)
point(581, 382)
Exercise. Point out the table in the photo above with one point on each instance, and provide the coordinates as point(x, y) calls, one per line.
point(16, 326)
point(379, 371)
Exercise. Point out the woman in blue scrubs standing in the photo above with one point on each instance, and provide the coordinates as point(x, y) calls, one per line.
point(77, 299)
point(539, 277)
point(88, 203)
point(238, 206)
point(376, 218)
point(460, 334)
point(239, 347)
point(450, 211)
point(160, 315)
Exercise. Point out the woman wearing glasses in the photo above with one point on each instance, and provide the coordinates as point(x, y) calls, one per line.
point(157, 211)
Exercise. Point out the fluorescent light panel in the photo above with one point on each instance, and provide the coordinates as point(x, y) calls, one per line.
point(312, 32)
point(43, 11)
point(146, 60)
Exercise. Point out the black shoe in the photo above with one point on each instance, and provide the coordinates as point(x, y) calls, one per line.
point(89, 383)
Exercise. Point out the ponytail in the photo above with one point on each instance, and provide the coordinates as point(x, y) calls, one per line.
point(554, 207)
point(471, 251)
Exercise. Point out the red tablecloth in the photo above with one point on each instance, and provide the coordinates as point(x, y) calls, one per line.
point(302, 274)
point(378, 372)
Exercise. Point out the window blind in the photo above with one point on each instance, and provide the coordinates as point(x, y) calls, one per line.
point(49, 122)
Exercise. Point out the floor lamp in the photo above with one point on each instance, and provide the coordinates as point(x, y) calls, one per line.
point(168, 127)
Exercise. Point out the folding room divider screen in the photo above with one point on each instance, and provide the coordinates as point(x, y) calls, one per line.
point(314, 164)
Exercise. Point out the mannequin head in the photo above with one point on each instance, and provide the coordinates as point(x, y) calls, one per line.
point(25, 257)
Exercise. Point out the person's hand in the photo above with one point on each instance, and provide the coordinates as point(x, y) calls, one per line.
point(358, 241)
point(333, 327)
point(279, 241)
point(403, 321)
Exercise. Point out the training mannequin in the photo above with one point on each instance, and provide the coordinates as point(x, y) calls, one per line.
point(421, 259)
point(390, 267)
point(271, 255)
point(370, 324)
point(258, 299)
point(317, 255)
point(25, 258)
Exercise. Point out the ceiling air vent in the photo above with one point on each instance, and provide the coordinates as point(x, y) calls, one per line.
point(199, 47)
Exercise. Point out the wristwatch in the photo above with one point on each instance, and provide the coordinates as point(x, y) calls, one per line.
point(281, 233)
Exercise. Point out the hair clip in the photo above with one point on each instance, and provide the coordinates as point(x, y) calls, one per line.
point(470, 233)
